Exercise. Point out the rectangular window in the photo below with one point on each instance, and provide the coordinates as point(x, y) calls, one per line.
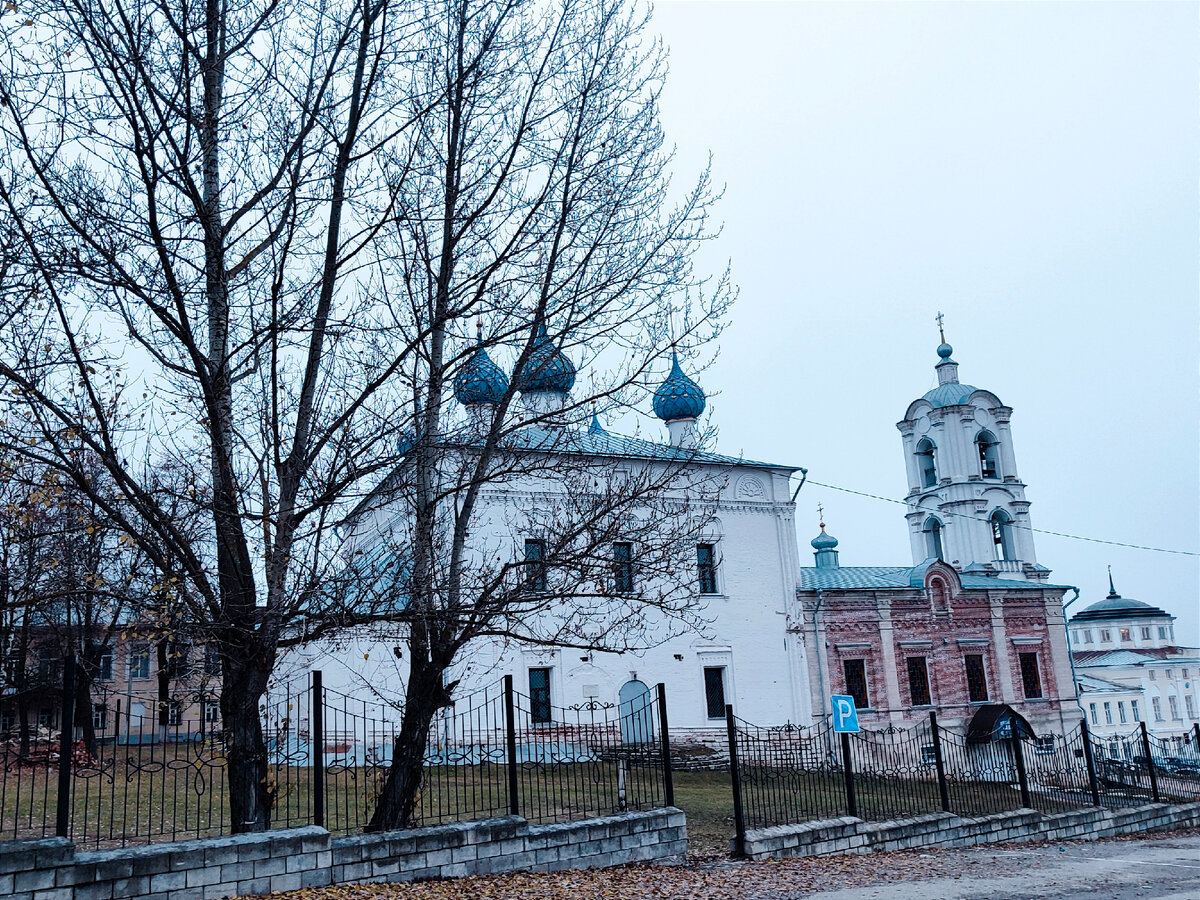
point(179, 659)
point(1153, 675)
point(1145, 634)
point(1185, 673)
point(929, 754)
point(212, 660)
point(539, 697)
point(623, 568)
point(1087, 636)
point(212, 712)
point(918, 681)
point(45, 717)
point(1121, 711)
point(977, 690)
point(1095, 719)
point(104, 666)
point(1107, 713)
point(1031, 678)
point(99, 717)
point(706, 567)
point(1173, 702)
point(1137, 713)
point(8, 719)
point(1170, 674)
point(1156, 703)
point(1046, 743)
point(47, 662)
point(855, 671)
point(174, 713)
point(1126, 634)
point(139, 661)
point(714, 691)
point(1105, 635)
point(535, 565)
point(1162, 633)
point(1190, 702)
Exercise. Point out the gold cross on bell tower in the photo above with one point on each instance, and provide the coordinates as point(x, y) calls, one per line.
point(941, 330)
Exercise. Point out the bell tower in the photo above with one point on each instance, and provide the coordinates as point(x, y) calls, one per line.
point(966, 503)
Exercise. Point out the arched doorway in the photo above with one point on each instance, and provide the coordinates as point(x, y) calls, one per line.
point(637, 713)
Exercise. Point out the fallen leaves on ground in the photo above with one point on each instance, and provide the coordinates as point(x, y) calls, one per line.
point(725, 880)
point(703, 879)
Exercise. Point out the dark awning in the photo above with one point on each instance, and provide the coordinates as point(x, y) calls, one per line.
point(995, 721)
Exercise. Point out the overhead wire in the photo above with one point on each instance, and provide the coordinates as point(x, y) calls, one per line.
point(1062, 534)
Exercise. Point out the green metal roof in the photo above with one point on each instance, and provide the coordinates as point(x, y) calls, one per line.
point(868, 578)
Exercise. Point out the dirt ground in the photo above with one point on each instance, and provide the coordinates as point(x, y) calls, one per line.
point(1164, 866)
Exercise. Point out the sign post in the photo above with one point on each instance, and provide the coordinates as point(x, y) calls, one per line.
point(845, 723)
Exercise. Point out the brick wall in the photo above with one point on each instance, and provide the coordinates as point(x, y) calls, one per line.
point(289, 859)
point(850, 835)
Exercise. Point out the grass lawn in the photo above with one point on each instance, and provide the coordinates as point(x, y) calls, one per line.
point(137, 797)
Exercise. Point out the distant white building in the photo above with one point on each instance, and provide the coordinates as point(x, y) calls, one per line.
point(1129, 669)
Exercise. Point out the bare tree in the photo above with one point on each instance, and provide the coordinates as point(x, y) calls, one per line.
point(254, 240)
point(537, 201)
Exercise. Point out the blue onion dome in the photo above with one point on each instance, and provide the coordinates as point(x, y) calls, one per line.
point(944, 350)
point(547, 369)
point(678, 397)
point(824, 541)
point(480, 380)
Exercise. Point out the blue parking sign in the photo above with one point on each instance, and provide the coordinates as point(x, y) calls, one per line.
point(845, 716)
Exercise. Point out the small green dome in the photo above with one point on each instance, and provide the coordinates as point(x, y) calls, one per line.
point(824, 541)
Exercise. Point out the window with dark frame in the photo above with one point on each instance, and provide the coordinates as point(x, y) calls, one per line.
point(539, 697)
point(918, 681)
point(623, 567)
point(535, 565)
point(139, 661)
point(714, 691)
point(99, 717)
point(104, 666)
point(706, 568)
point(179, 659)
point(212, 660)
point(855, 672)
point(977, 689)
point(1031, 678)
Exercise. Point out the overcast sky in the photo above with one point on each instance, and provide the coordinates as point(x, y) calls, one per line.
point(1029, 169)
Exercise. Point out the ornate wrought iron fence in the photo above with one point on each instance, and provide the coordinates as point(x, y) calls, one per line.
point(156, 769)
point(787, 773)
point(792, 775)
point(895, 772)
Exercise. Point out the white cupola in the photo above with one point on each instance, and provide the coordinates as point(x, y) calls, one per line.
point(966, 504)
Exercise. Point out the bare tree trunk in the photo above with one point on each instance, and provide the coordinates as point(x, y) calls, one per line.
point(250, 795)
point(424, 697)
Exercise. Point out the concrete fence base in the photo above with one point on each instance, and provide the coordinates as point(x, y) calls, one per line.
point(289, 859)
point(850, 835)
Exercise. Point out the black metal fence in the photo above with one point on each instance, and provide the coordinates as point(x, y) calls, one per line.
point(785, 775)
point(157, 770)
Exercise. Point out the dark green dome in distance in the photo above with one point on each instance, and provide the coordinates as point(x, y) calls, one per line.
point(1114, 606)
point(824, 541)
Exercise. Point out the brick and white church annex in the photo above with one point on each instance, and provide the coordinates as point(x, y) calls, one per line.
point(972, 621)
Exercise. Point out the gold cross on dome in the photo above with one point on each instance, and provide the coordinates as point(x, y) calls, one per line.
point(941, 330)
point(821, 514)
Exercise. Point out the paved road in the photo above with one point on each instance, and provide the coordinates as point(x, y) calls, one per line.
point(1151, 869)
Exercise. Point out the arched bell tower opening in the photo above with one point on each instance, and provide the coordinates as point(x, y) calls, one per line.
point(966, 504)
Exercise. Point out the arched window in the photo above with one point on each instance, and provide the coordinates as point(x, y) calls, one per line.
point(1002, 535)
point(933, 538)
point(925, 462)
point(989, 454)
